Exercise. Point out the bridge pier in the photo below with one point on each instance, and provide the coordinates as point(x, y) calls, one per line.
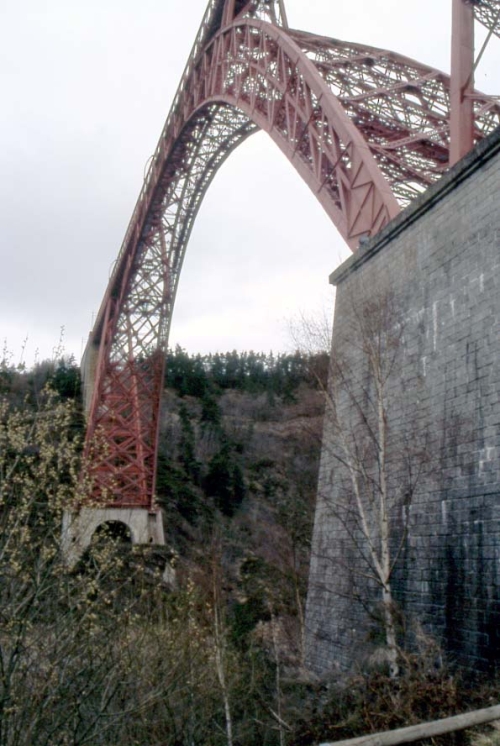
point(145, 527)
point(438, 264)
point(143, 524)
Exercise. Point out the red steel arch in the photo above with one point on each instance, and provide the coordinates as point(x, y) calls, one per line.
point(366, 129)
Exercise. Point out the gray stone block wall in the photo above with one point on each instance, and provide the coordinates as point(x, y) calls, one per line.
point(440, 261)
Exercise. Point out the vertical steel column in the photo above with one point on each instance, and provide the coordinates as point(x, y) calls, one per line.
point(228, 12)
point(462, 80)
point(282, 9)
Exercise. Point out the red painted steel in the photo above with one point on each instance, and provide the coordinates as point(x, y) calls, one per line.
point(367, 129)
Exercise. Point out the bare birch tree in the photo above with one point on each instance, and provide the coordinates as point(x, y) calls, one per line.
point(220, 643)
point(369, 472)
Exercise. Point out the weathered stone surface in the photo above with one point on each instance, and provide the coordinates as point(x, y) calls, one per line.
point(441, 260)
point(145, 526)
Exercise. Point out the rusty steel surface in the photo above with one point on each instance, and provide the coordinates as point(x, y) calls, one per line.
point(367, 129)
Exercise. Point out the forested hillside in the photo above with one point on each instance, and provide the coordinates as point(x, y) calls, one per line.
point(238, 465)
point(109, 653)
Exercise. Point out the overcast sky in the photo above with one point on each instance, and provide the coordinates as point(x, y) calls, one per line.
point(86, 87)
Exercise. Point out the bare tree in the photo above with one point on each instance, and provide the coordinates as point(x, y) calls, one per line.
point(369, 473)
point(100, 655)
point(220, 634)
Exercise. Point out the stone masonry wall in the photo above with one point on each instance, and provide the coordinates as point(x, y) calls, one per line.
point(440, 261)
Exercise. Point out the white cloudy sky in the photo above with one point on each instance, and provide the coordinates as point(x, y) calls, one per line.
point(86, 87)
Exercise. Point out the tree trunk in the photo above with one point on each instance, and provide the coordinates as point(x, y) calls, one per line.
point(390, 631)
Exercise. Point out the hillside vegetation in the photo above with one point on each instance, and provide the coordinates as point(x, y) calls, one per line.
point(108, 653)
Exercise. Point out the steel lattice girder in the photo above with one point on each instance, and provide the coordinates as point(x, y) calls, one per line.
point(367, 130)
point(487, 12)
point(121, 441)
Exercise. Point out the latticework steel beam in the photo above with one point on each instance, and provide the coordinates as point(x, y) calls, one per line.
point(487, 12)
point(366, 129)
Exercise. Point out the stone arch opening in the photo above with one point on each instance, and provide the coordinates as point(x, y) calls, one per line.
point(90, 525)
point(112, 530)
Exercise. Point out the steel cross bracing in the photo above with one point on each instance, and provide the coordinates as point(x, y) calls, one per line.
point(367, 129)
point(487, 12)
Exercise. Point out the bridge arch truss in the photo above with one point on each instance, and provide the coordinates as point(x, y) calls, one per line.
point(367, 129)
